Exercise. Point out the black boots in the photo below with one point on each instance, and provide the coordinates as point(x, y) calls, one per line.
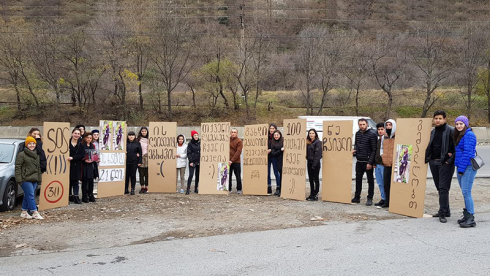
point(465, 215)
point(187, 191)
point(312, 198)
point(91, 198)
point(269, 190)
point(469, 220)
point(278, 192)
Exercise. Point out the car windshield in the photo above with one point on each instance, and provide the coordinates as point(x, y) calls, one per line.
point(6, 153)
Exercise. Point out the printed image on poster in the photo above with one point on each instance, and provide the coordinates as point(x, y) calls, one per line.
point(402, 170)
point(105, 139)
point(223, 176)
point(118, 135)
point(92, 155)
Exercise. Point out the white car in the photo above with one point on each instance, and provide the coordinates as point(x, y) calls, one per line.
point(9, 190)
point(316, 122)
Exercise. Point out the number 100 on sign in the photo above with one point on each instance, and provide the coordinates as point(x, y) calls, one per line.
point(110, 175)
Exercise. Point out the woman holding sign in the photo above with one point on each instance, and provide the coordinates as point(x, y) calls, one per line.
point(313, 156)
point(276, 154)
point(90, 169)
point(133, 161)
point(272, 130)
point(143, 169)
point(465, 141)
point(194, 156)
point(77, 153)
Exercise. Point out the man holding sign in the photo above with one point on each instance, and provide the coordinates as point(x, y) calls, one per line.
point(365, 150)
point(236, 146)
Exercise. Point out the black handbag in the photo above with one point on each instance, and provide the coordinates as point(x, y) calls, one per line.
point(477, 162)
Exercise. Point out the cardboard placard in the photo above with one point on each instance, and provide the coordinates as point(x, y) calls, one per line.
point(293, 184)
point(255, 145)
point(337, 161)
point(215, 148)
point(112, 144)
point(56, 180)
point(162, 164)
point(409, 171)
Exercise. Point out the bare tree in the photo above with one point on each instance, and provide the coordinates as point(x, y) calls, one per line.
point(173, 54)
point(356, 65)
point(471, 55)
point(307, 53)
point(44, 52)
point(333, 41)
point(431, 52)
point(388, 62)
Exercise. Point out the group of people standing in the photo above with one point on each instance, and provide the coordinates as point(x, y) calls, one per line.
point(449, 148)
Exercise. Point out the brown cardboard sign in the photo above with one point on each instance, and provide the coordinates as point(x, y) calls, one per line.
point(255, 145)
point(337, 161)
point(112, 168)
point(293, 184)
point(162, 164)
point(215, 149)
point(56, 180)
point(409, 171)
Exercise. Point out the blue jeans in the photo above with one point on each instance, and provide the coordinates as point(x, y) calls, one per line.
point(277, 171)
point(379, 179)
point(29, 203)
point(466, 183)
point(269, 163)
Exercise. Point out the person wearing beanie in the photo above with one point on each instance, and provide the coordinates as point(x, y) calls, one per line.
point(95, 136)
point(440, 156)
point(133, 161)
point(28, 175)
point(36, 134)
point(194, 157)
point(143, 169)
point(465, 141)
point(236, 146)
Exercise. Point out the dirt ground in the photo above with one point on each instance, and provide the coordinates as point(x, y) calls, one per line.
point(125, 220)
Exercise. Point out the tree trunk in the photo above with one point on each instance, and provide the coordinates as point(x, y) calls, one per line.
point(468, 106)
point(390, 103)
point(17, 94)
point(140, 93)
point(357, 100)
point(425, 108)
point(169, 105)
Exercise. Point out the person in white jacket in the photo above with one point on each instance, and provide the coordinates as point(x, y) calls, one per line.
point(181, 161)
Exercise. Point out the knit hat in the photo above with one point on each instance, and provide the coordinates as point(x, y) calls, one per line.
point(30, 139)
point(95, 131)
point(463, 119)
point(194, 132)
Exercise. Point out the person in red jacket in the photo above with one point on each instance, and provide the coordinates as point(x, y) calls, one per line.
point(236, 146)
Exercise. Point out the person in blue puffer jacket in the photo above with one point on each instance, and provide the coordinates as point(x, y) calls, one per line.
point(465, 141)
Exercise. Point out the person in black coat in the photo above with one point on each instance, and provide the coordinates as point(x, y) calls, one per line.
point(313, 157)
point(276, 147)
point(77, 153)
point(90, 169)
point(365, 150)
point(133, 161)
point(194, 156)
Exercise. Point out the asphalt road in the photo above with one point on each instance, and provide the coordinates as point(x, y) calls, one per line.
point(387, 247)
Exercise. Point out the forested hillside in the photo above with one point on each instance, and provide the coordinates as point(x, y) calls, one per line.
point(245, 61)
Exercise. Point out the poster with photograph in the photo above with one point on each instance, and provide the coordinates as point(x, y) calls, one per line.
point(92, 155)
point(118, 135)
point(105, 139)
point(402, 167)
point(223, 176)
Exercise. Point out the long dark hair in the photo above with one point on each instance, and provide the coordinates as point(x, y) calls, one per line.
point(280, 138)
point(457, 135)
point(141, 135)
point(85, 135)
point(308, 140)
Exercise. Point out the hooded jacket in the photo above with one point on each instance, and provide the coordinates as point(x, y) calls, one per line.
point(182, 151)
point(388, 145)
point(133, 149)
point(447, 146)
point(276, 152)
point(465, 150)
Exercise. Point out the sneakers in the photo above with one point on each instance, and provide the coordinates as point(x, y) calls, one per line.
point(278, 192)
point(145, 191)
point(25, 215)
point(126, 192)
point(356, 200)
point(442, 218)
point(312, 198)
point(369, 202)
point(187, 192)
point(132, 192)
point(239, 192)
point(36, 215)
point(181, 191)
point(141, 191)
point(269, 190)
point(380, 203)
